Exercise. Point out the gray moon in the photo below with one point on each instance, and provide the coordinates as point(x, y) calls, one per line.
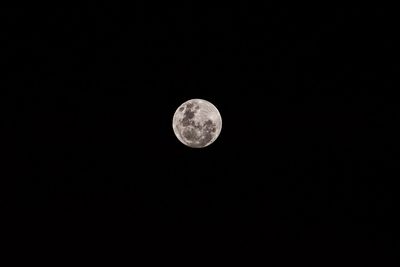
point(197, 123)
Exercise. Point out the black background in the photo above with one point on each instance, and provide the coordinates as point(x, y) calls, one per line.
point(306, 153)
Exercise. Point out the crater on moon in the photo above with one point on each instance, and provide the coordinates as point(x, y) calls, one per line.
point(199, 125)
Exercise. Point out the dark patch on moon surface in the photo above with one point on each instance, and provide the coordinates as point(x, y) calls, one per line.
point(208, 123)
point(210, 126)
point(188, 116)
point(181, 109)
point(190, 134)
point(185, 122)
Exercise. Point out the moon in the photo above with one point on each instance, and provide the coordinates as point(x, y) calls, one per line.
point(197, 123)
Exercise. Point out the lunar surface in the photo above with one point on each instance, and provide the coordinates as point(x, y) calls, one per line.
point(197, 123)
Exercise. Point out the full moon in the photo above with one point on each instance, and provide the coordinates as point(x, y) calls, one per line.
point(197, 123)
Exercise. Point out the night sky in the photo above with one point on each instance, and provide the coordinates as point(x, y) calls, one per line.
point(306, 153)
